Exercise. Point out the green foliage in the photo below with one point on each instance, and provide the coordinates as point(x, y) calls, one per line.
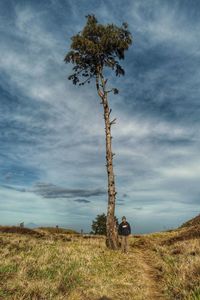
point(99, 224)
point(95, 47)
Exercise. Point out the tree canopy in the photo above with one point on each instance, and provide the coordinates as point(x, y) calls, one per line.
point(95, 47)
point(99, 224)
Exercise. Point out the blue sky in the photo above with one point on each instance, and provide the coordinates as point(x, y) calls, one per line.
point(52, 144)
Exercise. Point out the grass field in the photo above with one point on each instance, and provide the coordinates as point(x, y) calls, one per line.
point(64, 265)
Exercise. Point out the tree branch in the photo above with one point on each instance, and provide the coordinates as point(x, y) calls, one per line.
point(113, 121)
point(109, 91)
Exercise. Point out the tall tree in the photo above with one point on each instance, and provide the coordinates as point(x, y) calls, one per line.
point(94, 49)
point(99, 224)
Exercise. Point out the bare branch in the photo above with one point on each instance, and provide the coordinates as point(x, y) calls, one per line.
point(114, 90)
point(109, 91)
point(113, 121)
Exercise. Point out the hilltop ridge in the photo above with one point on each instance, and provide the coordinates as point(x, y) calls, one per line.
point(192, 222)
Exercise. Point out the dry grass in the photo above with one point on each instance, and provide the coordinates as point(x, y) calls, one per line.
point(181, 269)
point(177, 261)
point(54, 230)
point(33, 268)
point(60, 266)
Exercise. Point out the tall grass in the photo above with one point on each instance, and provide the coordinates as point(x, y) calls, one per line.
point(32, 268)
point(59, 266)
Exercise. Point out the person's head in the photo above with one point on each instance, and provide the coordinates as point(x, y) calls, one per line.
point(123, 219)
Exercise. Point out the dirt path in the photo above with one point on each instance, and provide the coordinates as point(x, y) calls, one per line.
point(150, 275)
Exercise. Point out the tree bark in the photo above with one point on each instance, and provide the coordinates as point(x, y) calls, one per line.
point(111, 228)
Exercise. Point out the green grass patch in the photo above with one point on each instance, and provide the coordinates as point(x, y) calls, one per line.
point(5, 269)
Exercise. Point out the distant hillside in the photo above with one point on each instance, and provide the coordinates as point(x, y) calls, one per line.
point(41, 231)
point(193, 222)
point(187, 231)
point(18, 230)
point(31, 225)
point(55, 230)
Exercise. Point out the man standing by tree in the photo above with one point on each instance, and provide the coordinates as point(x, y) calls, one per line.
point(124, 230)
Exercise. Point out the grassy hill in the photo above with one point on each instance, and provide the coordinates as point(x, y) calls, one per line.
point(44, 264)
point(18, 230)
point(193, 222)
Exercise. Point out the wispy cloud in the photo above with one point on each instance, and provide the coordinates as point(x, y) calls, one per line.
point(82, 200)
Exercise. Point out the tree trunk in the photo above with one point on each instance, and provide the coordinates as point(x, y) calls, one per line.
point(111, 228)
point(112, 238)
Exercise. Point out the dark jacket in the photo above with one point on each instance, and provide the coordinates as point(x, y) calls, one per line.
point(124, 229)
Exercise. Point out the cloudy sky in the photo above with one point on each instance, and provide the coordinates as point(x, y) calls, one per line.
point(52, 144)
